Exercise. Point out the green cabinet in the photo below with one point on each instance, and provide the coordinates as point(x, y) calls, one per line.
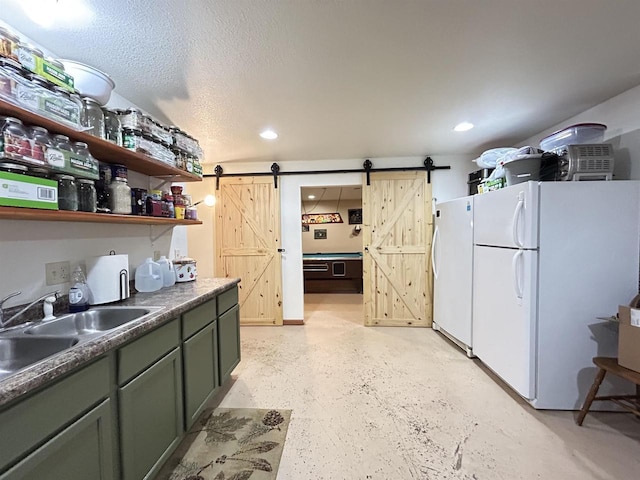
point(228, 342)
point(81, 451)
point(201, 377)
point(151, 424)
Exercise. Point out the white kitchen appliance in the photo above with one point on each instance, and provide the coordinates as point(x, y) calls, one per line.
point(108, 278)
point(452, 263)
point(592, 161)
point(549, 259)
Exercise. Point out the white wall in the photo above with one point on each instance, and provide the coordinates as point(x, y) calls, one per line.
point(341, 237)
point(446, 184)
point(621, 114)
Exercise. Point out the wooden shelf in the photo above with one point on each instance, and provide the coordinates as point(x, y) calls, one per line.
point(101, 149)
point(15, 213)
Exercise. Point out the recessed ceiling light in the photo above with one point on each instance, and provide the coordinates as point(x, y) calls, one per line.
point(463, 127)
point(269, 135)
point(311, 197)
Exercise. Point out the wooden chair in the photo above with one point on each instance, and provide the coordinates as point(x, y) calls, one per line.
point(628, 402)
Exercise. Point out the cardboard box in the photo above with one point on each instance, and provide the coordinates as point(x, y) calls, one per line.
point(31, 192)
point(629, 338)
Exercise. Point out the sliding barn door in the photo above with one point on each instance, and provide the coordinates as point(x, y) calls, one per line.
point(397, 227)
point(247, 242)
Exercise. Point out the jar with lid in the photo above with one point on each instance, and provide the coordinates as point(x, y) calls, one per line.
point(112, 128)
point(87, 196)
point(62, 142)
point(14, 140)
point(28, 56)
point(120, 196)
point(39, 172)
point(102, 187)
point(9, 42)
point(13, 168)
point(67, 193)
point(41, 141)
point(81, 149)
point(64, 106)
point(9, 78)
point(40, 92)
point(56, 63)
point(92, 117)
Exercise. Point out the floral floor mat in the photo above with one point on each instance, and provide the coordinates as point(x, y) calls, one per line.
point(231, 444)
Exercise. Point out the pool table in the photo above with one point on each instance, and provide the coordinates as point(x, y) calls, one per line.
point(332, 272)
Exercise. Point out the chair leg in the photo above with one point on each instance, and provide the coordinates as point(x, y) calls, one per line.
point(591, 396)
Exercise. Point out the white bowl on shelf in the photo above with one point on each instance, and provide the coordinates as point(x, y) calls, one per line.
point(90, 81)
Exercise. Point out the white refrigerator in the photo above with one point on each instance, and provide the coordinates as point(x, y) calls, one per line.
point(452, 264)
point(549, 259)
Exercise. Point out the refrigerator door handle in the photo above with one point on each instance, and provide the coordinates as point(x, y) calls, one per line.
point(516, 220)
point(436, 235)
point(515, 267)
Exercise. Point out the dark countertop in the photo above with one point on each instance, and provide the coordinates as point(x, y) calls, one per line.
point(173, 300)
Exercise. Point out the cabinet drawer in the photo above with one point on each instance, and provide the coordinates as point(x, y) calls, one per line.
point(227, 299)
point(35, 419)
point(198, 318)
point(141, 353)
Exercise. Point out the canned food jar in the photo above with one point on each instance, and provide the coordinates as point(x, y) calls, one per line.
point(120, 196)
point(67, 193)
point(9, 42)
point(41, 141)
point(39, 172)
point(28, 56)
point(92, 117)
point(112, 128)
point(14, 140)
point(87, 196)
point(62, 142)
point(13, 168)
point(10, 77)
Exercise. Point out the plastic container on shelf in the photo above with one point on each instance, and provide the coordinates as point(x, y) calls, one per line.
point(90, 81)
point(574, 134)
point(522, 169)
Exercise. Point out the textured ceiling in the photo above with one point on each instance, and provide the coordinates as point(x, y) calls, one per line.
point(354, 78)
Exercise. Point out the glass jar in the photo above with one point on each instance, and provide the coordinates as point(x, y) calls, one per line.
point(87, 196)
point(28, 56)
point(13, 168)
point(102, 187)
point(64, 106)
point(9, 78)
point(39, 172)
point(120, 196)
point(55, 62)
point(62, 142)
point(81, 149)
point(112, 128)
point(92, 117)
point(67, 193)
point(9, 44)
point(77, 100)
point(14, 140)
point(41, 141)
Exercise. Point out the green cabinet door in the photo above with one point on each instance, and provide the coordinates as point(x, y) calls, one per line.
point(200, 360)
point(151, 417)
point(82, 451)
point(228, 342)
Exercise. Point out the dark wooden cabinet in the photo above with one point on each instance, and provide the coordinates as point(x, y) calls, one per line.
point(332, 274)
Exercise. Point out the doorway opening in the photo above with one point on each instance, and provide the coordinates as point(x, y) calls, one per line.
point(332, 246)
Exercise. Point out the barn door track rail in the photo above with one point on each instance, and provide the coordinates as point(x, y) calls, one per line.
point(367, 168)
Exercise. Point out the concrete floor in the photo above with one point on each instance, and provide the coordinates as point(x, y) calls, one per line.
point(404, 403)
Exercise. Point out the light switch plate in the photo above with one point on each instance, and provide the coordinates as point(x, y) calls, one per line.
point(57, 273)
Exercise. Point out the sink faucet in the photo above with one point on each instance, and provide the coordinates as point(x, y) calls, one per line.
point(48, 302)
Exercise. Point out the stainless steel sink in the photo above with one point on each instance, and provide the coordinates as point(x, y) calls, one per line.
point(89, 322)
point(20, 352)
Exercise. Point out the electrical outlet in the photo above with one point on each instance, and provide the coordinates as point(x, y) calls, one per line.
point(57, 273)
point(156, 255)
